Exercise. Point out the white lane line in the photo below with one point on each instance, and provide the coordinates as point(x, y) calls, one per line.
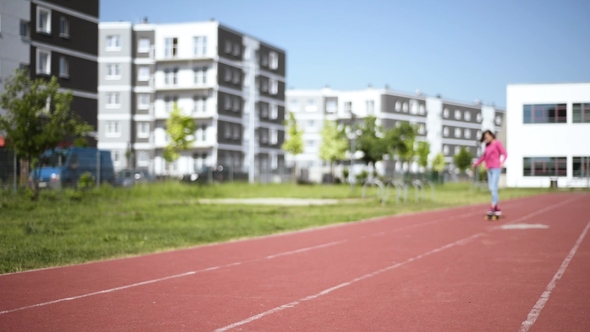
point(110, 290)
point(345, 284)
point(324, 292)
point(536, 311)
point(100, 292)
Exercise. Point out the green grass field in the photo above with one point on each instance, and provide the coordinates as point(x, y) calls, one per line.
point(111, 222)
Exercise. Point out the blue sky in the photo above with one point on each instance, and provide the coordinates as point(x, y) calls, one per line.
point(464, 50)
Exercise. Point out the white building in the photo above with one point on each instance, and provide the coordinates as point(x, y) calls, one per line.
point(448, 125)
point(230, 83)
point(548, 130)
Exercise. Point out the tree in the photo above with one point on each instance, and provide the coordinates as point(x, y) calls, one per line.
point(181, 130)
point(334, 144)
point(423, 150)
point(438, 163)
point(370, 143)
point(463, 159)
point(401, 141)
point(38, 118)
point(294, 142)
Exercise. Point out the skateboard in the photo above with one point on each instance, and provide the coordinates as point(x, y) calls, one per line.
point(492, 216)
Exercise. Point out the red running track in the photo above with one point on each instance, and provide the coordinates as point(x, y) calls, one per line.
point(446, 270)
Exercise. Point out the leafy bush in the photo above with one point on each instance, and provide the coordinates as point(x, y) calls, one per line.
point(86, 181)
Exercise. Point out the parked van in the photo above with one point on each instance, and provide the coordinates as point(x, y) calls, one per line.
point(74, 162)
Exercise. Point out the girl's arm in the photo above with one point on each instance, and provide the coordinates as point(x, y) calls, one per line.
point(503, 153)
point(479, 161)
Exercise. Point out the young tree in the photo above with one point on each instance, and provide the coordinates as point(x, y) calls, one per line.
point(463, 159)
point(334, 144)
point(294, 141)
point(423, 150)
point(370, 143)
point(438, 163)
point(38, 118)
point(181, 129)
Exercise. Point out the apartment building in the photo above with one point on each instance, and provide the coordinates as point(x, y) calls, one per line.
point(448, 125)
point(52, 38)
point(232, 84)
point(548, 128)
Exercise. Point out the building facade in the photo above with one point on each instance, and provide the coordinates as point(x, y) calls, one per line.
point(217, 75)
point(448, 125)
point(548, 128)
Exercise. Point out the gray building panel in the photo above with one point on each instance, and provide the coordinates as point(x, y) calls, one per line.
point(124, 31)
point(230, 44)
point(139, 35)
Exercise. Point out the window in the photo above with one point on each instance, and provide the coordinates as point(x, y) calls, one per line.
point(457, 150)
point(467, 133)
point(143, 130)
point(113, 100)
point(115, 157)
point(113, 43)
point(405, 107)
point(274, 87)
point(143, 101)
point(274, 161)
point(310, 144)
point(227, 48)
point(64, 27)
point(331, 106)
point(274, 60)
point(143, 73)
point(398, 106)
point(546, 113)
point(43, 62)
point(264, 60)
point(311, 106)
point(581, 113)
point(414, 107)
point(236, 50)
point(170, 47)
point(236, 104)
point(64, 67)
point(457, 115)
point(446, 113)
point(227, 102)
point(479, 118)
point(24, 29)
point(445, 149)
point(143, 46)
point(421, 129)
point(200, 75)
point(43, 20)
point(264, 85)
point(274, 136)
point(143, 158)
point(370, 106)
point(581, 167)
point(311, 125)
point(113, 129)
point(545, 166)
point(113, 71)
point(199, 104)
point(236, 131)
point(422, 110)
point(478, 134)
point(204, 137)
point(446, 131)
point(274, 111)
point(347, 107)
point(498, 120)
point(227, 74)
point(199, 46)
point(236, 76)
point(169, 102)
point(458, 132)
point(227, 130)
point(467, 116)
point(294, 105)
point(263, 110)
point(171, 76)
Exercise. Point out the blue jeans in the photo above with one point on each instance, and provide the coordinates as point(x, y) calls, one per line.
point(493, 179)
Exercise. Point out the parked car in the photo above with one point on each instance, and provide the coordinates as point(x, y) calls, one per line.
point(66, 165)
point(130, 177)
point(214, 174)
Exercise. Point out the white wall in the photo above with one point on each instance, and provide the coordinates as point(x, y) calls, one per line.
point(544, 140)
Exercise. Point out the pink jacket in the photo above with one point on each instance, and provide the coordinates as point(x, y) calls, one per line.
point(492, 155)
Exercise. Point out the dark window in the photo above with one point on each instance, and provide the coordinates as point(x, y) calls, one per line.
point(24, 29)
point(64, 27)
point(581, 113)
point(545, 166)
point(547, 113)
point(581, 166)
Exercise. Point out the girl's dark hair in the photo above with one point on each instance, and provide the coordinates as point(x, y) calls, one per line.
point(482, 139)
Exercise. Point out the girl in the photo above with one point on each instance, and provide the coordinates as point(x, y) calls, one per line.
point(494, 156)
